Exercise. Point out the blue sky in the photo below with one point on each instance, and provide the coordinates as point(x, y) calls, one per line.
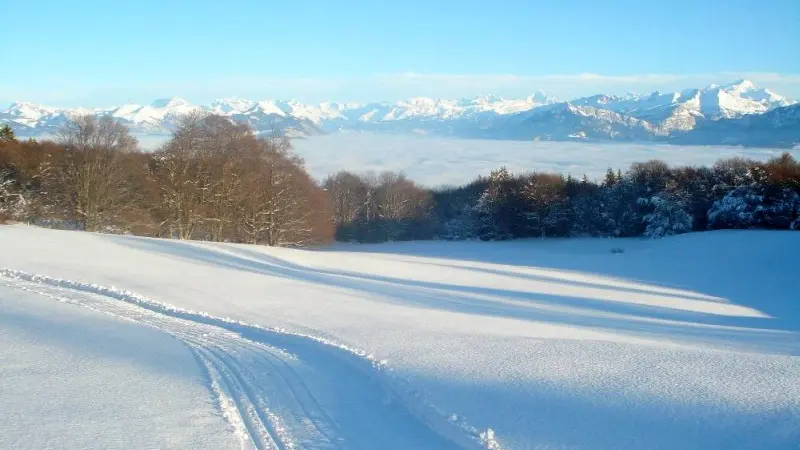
point(93, 53)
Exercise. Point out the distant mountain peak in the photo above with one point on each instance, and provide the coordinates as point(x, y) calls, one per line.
point(741, 84)
point(20, 105)
point(228, 105)
point(540, 97)
point(170, 102)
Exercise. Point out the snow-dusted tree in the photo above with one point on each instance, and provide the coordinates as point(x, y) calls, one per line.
point(620, 213)
point(546, 203)
point(400, 206)
point(178, 170)
point(611, 178)
point(454, 210)
point(781, 180)
point(224, 148)
point(376, 208)
point(93, 182)
point(731, 173)
point(649, 177)
point(739, 208)
point(494, 209)
point(8, 196)
point(7, 133)
point(669, 216)
point(782, 172)
point(28, 173)
point(265, 203)
point(18, 201)
point(219, 182)
point(583, 206)
point(780, 208)
point(460, 227)
point(195, 174)
point(280, 204)
point(585, 214)
point(695, 187)
point(755, 206)
point(348, 197)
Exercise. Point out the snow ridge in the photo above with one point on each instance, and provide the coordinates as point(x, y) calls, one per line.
point(653, 116)
point(223, 347)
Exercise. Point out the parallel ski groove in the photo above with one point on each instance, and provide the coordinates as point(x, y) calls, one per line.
point(258, 387)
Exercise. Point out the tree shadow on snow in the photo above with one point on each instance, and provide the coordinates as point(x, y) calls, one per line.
point(653, 322)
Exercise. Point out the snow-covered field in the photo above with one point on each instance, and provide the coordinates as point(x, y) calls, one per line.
point(121, 342)
point(76, 378)
point(434, 161)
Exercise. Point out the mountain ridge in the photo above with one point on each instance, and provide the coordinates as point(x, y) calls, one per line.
point(673, 116)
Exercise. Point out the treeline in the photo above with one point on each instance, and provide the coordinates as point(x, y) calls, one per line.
point(216, 180)
point(649, 199)
point(213, 180)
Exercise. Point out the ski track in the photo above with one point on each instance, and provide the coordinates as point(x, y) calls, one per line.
point(260, 388)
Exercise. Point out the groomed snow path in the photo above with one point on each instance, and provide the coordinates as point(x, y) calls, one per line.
point(277, 390)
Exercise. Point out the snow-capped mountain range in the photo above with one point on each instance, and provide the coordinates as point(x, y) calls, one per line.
point(694, 115)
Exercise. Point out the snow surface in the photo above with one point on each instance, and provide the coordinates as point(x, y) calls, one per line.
point(435, 161)
point(682, 342)
point(75, 378)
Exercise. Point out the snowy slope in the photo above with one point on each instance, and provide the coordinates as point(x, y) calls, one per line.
point(682, 110)
point(733, 100)
point(76, 378)
point(778, 127)
point(160, 115)
point(686, 342)
point(565, 120)
point(651, 116)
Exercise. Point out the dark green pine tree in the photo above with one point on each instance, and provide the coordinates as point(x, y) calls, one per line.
point(611, 178)
point(7, 134)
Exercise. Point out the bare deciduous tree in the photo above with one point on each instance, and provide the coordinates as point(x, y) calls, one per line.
point(371, 207)
point(348, 197)
point(219, 182)
point(94, 185)
point(277, 207)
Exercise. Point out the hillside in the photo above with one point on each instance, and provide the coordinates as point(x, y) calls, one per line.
point(683, 342)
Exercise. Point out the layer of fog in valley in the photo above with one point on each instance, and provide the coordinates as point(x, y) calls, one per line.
point(434, 161)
